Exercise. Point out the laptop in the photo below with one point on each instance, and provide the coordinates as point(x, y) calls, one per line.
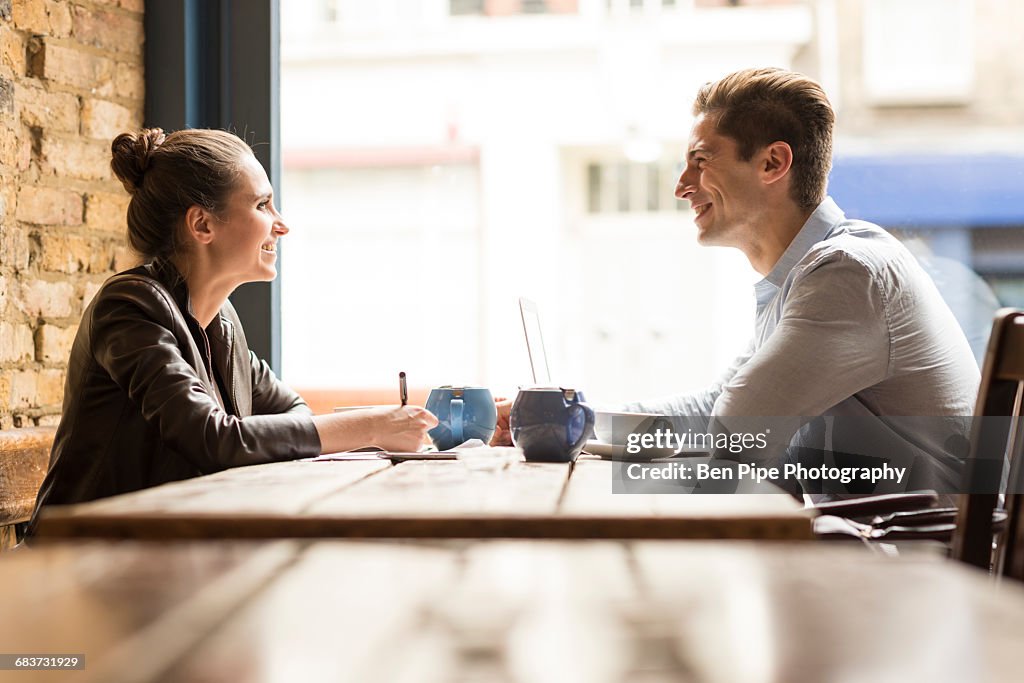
point(535, 342)
point(536, 351)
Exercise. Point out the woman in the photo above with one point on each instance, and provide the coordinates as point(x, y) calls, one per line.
point(161, 385)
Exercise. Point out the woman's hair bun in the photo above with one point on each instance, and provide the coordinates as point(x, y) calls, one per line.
point(132, 153)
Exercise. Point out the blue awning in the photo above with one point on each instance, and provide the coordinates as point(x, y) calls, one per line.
point(930, 190)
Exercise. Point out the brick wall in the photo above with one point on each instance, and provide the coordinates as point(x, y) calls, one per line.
point(70, 80)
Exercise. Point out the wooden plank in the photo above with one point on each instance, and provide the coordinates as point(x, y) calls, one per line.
point(195, 527)
point(345, 612)
point(131, 609)
point(24, 459)
point(278, 488)
point(384, 612)
point(749, 516)
point(599, 611)
point(805, 613)
point(439, 499)
point(450, 488)
point(507, 610)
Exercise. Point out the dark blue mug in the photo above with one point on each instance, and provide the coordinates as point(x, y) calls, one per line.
point(463, 413)
point(550, 425)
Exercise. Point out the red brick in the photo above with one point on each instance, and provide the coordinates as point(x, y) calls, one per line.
point(65, 253)
point(23, 389)
point(111, 255)
point(14, 248)
point(76, 68)
point(59, 14)
point(106, 211)
point(8, 196)
point(30, 15)
point(42, 299)
point(124, 257)
point(49, 206)
point(128, 83)
point(6, 97)
point(16, 343)
point(76, 157)
point(5, 399)
point(106, 120)
point(50, 387)
point(15, 147)
point(108, 30)
point(51, 111)
point(129, 5)
point(89, 292)
point(53, 344)
point(10, 146)
point(12, 50)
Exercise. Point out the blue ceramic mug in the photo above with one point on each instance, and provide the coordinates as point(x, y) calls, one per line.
point(550, 425)
point(462, 413)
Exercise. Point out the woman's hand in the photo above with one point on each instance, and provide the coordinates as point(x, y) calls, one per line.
point(503, 430)
point(402, 428)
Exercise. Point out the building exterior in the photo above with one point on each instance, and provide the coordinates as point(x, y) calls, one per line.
point(444, 158)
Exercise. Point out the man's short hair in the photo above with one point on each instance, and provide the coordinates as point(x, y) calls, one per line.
point(756, 107)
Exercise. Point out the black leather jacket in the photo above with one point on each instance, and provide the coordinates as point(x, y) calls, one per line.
point(140, 405)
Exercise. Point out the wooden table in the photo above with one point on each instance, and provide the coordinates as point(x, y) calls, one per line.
point(536, 611)
point(439, 499)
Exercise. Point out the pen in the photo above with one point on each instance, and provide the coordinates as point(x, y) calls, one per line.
point(403, 390)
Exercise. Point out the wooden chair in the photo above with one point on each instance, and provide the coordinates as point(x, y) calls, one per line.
point(24, 459)
point(995, 445)
point(996, 438)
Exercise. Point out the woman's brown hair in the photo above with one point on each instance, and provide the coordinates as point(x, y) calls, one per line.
point(165, 175)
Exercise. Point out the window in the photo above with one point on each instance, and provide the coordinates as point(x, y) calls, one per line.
point(437, 169)
point(918, 51)
point(459, 7)
point(626, 187)
point(507, 7)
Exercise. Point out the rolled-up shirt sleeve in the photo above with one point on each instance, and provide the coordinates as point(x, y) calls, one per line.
point(832, 341)
point(134, 344)
point(695, 404)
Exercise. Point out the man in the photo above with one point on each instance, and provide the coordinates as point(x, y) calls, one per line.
point(856, 358)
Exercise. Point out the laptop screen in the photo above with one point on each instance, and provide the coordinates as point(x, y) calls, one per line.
point(535, 342)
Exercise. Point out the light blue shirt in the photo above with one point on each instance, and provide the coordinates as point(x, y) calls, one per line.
point(848, 326)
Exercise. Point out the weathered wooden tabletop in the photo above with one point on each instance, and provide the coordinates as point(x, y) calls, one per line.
point(501, 610)
point(423, 499)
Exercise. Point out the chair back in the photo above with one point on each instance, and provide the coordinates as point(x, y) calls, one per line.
point(995, 445)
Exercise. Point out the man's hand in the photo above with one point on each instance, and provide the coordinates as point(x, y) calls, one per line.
point(503, 431)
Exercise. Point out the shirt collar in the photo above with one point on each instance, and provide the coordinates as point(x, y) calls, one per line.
point(818, 226)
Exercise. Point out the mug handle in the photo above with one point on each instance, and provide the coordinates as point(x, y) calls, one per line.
point(588, 417)
point(456, 417)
